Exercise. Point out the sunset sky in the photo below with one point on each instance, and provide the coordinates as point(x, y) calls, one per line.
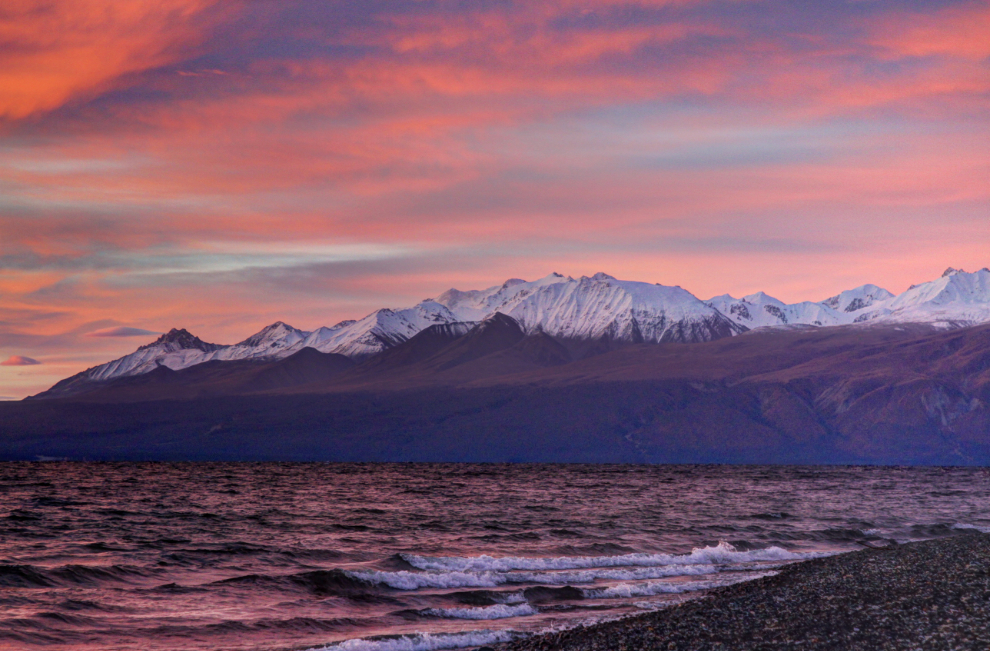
point(218, 166)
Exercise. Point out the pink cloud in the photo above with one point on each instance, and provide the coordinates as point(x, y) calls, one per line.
point(58, 52)
point(19, 360)
point(959, 31)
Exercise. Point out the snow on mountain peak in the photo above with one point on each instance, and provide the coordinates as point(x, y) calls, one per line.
point(178, 339)
point(761, 310)
point(276, 332)
point(955, 299)
point(853, 300)
point(603, 307)
point(599, 307)
point(176, 348)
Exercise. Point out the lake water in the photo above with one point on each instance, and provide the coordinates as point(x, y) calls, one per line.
point(403, 557)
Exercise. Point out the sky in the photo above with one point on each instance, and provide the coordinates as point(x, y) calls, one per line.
point(220, 165)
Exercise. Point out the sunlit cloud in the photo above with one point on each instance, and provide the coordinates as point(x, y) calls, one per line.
point(57, 52)
point(19, 360)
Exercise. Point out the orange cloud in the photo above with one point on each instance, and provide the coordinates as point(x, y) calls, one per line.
point(54, 52)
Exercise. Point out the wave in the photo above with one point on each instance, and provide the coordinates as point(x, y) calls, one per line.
point(319, 582)
point(719, 554)
point(29, 576)
point(422, 641)
point(846, 534)
point(629, 590)
point(487, 597)
point(93, 575)
point(309, 625)
point(541, 593)
point(498, 611)
point(404, 580)
point(234, 548)
point(970, 527)
point(23, 576)
point(771, 515)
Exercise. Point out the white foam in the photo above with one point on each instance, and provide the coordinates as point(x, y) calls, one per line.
point(406, 580)
point(499, 611)
point(651, 605)
point(509, 597)
point(971, 527)
point(629, 590)
point(422, 641)
point(719, 554)
point(610, 574)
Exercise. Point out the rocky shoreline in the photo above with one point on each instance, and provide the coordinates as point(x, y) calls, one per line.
point(931, 596)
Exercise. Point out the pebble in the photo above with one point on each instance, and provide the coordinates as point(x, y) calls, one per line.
point(932, 595)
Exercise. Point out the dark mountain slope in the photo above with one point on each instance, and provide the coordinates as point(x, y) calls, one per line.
point(837, 395)
point(216, 378)
point(494, 348)
point(421, 346)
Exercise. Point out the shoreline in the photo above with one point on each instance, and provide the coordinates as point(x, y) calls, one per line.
point(929, 595)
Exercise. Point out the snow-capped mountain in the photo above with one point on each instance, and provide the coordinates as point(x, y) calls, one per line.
point(179, 349)
point(761, 310)
point(379, 330)
point(598, 307)
point(175, 349)
point(957, 299)
point(854, 300)
point(271, 341)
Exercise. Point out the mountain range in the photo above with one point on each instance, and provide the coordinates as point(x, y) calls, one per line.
point(576, 312)
point(563, 370)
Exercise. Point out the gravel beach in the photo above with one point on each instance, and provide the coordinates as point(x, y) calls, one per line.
point(929, 596)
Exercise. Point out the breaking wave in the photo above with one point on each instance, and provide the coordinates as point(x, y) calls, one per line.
point(970, 527)
point(498, 611)
point(719, 554)
point(405, 580)
point(629, 590)
point(422, 641)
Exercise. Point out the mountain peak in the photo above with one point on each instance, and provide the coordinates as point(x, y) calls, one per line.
point(279, 330)
point(601, 275)
point(952, 272)
point(853, 300)
point(277, 326)
point(183, 339)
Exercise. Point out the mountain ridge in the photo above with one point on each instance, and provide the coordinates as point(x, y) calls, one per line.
point(592, 313)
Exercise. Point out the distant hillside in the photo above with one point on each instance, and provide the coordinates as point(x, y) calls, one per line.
point(491, 391)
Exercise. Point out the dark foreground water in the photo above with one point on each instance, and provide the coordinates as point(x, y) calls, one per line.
point(298, 556)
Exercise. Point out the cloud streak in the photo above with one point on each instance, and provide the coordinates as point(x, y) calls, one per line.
point(121, 331)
